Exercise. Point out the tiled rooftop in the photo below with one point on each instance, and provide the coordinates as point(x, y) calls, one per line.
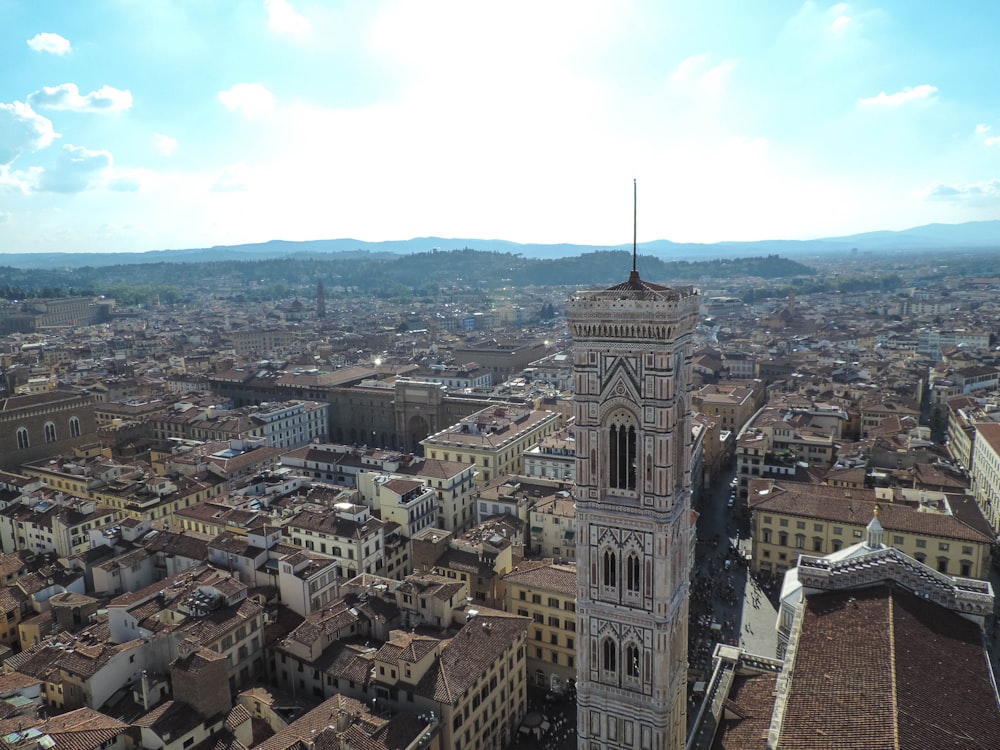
point(881, 668)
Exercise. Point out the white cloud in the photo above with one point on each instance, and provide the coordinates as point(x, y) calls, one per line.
point(981, 128)
point(130, 180)
point(67, 97)
point(22, 129)
point(697, 74)
point(249, 99)
point(283, 19)
point(18, 180)
point(76, 170)
point(993, 140)
point(976, 192)
point(840, 24)
point(233, 178)
point(51, 43)
point(164, 144)
point(908, 94)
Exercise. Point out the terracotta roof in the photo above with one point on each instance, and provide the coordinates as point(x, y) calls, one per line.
point(328, 621)
point(406, 647)
point(330, 523)
point(10, 563)
point(855, 507)
point(635, 284)
point(82, 729)
point(880, 668)
point(557, 578)
point(237, 716)
point(184, 545)
point(13, 403)
point(348, 661)
point(14, 681)
point(748, 713)
point(170, 717)
point(480, 642)
point(434, 468)
point(309, 725)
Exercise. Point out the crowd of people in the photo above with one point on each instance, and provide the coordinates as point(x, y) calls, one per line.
point(550, 722)
point(714, 602)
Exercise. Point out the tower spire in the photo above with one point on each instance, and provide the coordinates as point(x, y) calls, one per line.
point(635, 196)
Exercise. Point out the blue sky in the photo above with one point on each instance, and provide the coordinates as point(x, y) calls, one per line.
point(130, 125)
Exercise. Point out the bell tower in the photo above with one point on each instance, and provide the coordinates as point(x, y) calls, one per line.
point(632, 361)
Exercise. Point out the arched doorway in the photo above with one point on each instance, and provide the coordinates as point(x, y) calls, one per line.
point(416, 430)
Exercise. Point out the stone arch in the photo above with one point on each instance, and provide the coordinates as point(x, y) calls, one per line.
point(416, 430)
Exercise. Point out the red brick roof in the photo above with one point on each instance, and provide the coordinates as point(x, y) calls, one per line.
point(880, 668)
point(560, 579)
point(750, 703)
point(82, 729)
point(856, 507)
point(482, 641)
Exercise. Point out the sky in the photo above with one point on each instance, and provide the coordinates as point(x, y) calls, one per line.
point(134, 125)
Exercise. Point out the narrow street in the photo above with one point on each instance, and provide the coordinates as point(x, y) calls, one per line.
point(727, 605)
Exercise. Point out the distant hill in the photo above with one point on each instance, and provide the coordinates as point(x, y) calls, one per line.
point(975, 234)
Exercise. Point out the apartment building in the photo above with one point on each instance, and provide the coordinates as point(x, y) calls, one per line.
point(348, 533)
point(475, 683)
point(786, 434)
point(733, 403)
point(944, 531)
point(50, 521)
point(453, 481)
point(493, 439)
point(129, 489)
point(409, 503)
point(552, 521)
point(207, 606)
point(554, 457)
point(984, 472)
point(545, 593)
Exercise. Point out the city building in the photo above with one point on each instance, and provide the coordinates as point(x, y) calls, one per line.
point(546, 594)
point(985, 472)
point(44, 424)
point(409, 503)
point(554, 457)
point(732, 403)
point(552, 521)
point(453, 481)
point(504, 359)
point(632, 361)
point(470, 375)
point(49, 521)
point(348, 533)
point(493, 439)
point(944, 531)
point(206, 605)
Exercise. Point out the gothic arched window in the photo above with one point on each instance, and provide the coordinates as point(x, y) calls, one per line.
point(609, 567)
point(74, 427)
point(22, 439)
point(609, 654)
point(632, 575)
point(632, 661)
point(622, 440)
point(50, 432)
